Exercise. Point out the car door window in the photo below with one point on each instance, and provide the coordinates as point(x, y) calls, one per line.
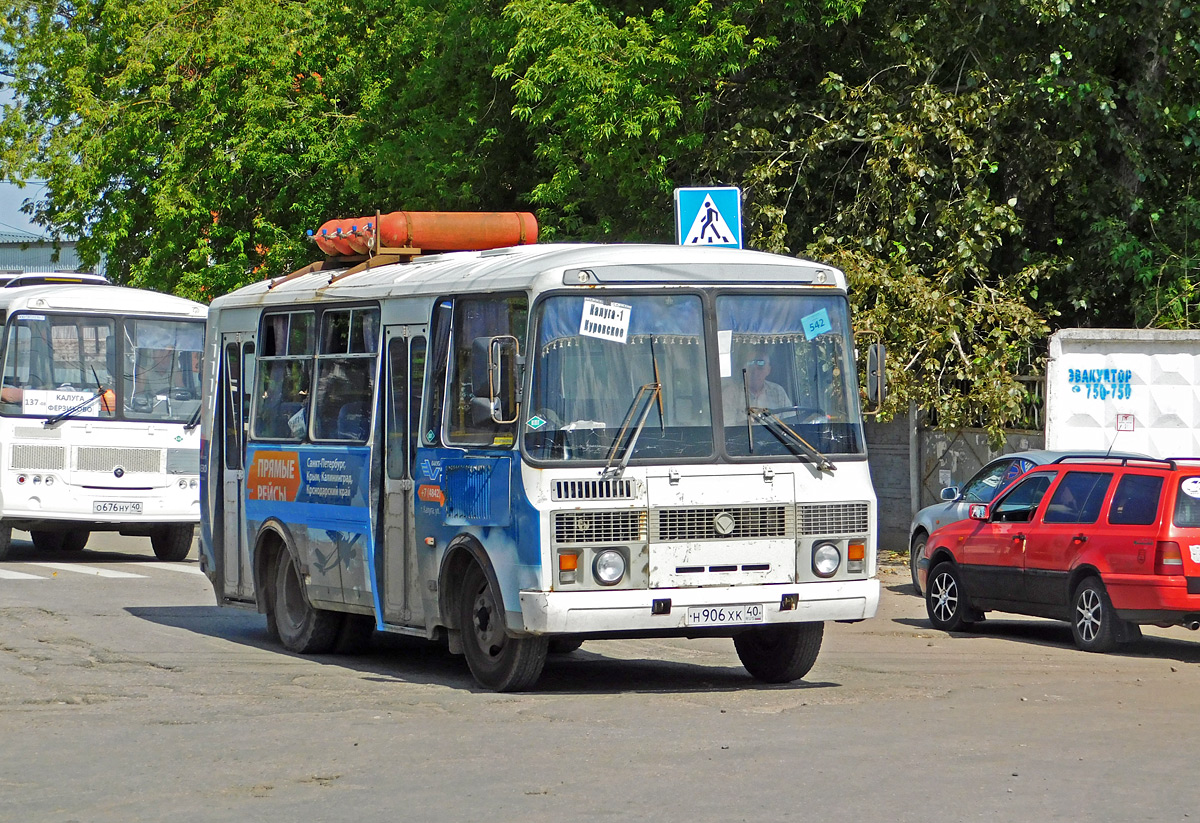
point(1135, 502)
point(1019, 505)
point(1078, 497)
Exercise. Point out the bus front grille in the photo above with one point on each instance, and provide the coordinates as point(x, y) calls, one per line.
point(27, 456)
point(834, 518)
point(106, 459)
point(573, 528)
point(746, 523)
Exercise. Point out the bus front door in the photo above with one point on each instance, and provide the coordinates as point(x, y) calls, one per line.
point(396, 558)
point(238, 362)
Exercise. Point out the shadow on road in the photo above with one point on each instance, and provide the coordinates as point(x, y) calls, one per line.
point(1057, 633)
point(396, 658)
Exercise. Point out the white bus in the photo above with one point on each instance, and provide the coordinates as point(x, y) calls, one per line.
point(520, 449)
point(99, 413)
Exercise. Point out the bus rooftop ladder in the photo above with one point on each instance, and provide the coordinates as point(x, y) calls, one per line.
point(428, 232)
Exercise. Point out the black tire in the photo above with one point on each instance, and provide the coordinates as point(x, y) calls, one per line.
point(75, 540)
point(946, 600)
point(914, 554)
point(5, 540)
point(1093, 621)
point(564, 645)
point(301, 628)
point(48, 541)
point(173, 542)
point(780, 654)
point(498, 661)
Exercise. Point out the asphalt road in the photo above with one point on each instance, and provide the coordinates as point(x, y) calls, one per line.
point(133, 698)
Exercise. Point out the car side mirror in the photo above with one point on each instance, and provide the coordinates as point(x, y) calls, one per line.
point(494, 379)
point(978, 511)
point(876, 374)
point(950, 493)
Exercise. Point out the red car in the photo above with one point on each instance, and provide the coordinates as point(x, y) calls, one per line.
point(1105, 544)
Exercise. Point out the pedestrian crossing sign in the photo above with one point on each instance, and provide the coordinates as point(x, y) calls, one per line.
point(709, 217)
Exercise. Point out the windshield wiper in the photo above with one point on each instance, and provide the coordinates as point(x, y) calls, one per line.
point(78, 407)
point(194, 420)
point(775, 425)
point(648, 393)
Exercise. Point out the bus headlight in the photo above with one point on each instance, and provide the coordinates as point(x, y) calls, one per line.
point(609, 567)
point(826, 559)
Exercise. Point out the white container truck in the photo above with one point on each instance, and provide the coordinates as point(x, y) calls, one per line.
point(1131, 390)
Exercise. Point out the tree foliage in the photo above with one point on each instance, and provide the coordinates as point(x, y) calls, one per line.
point(985, 171)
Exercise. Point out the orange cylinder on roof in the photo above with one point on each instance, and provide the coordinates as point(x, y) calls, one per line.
point(429, 231)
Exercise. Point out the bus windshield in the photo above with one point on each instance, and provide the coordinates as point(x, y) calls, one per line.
point(56, 362)
point(787, 367)
point(591, 359)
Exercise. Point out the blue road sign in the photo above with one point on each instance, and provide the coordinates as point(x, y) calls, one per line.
point(709, 217)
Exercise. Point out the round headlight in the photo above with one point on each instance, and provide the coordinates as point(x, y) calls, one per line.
point(609, 567)
point(826, 559)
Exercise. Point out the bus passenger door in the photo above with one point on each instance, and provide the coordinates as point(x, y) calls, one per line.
point(236, 376)
point(396, 557)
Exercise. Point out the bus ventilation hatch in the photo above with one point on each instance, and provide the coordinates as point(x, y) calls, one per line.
point(593, 490)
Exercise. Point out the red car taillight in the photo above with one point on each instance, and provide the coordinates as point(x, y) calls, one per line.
point(1167, 559)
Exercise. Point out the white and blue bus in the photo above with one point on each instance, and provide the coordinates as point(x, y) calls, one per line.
point(99, 413)
point(520, 449)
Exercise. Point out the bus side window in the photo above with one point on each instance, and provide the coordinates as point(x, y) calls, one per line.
point(476, 318)
point(346, 366)
point(284, 365)
point(397, 406)
point(232, 408)
point(416, 391)
point(440, 355)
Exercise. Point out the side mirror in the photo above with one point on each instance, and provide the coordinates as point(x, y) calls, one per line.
point(950, 493)
point(978, 511)
point(877, 374)
point(494, 379)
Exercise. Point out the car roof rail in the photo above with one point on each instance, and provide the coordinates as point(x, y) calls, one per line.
point(1118, 461)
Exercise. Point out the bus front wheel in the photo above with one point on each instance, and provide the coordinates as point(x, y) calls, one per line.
point(302, 628)
point(780, 654)
point(498, 661)
point(173, 542)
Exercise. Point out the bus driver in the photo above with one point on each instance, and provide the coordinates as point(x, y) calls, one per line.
point(762, 393)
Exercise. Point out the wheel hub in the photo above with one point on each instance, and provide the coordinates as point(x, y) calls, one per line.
point(1088, 620)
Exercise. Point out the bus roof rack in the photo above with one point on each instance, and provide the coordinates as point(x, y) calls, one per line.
point(12, 281)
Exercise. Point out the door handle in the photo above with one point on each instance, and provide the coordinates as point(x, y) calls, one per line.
point(1080, 538)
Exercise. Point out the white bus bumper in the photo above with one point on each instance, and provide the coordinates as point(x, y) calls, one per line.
point(631, 611)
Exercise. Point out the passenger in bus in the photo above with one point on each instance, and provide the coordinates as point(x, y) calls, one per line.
point(763, 394)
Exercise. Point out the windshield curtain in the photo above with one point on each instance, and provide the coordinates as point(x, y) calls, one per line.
point(791, 355)
point(54, 362)
point(591, 358)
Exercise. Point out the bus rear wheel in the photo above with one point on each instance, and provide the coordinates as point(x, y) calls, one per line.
point(780, 654)
point(5, 540)
point(301, 628)
point(47, 541)
point(75, 540)
point(173, 542)
point(498, 661)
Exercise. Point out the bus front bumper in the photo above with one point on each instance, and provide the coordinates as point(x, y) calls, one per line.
point(643, 609)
